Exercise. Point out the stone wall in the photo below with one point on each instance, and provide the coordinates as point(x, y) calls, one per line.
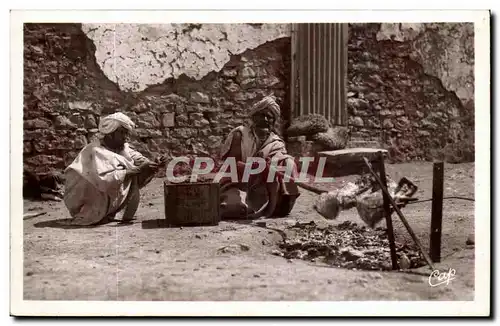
point(66, 91)
point(411, 87)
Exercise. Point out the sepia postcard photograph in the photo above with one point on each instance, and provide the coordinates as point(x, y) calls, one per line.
point(250, 163)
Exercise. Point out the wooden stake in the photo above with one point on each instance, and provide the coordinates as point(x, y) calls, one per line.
point(387, 210)
point(401, 216)
point(437, 211)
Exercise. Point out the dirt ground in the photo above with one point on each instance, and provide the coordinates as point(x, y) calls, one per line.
point(143, 262)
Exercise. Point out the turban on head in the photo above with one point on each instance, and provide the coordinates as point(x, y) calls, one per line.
point(268, 102)
point(111, 122)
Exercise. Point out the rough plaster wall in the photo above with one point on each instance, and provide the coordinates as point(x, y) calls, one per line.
point(445, 50)
point(136, 56)
point(399, 89)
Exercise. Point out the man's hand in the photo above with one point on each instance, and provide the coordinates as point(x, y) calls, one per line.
point(148, 164)
point(159, 162)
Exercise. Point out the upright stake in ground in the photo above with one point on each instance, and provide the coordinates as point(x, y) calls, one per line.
point(437, 211)
point(401, 216)
point(387, 213)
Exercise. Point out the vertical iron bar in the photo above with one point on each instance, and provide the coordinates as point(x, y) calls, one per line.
point(387, 211)
point(437, 211)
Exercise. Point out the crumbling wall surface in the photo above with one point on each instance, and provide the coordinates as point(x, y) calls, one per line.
point(411, 87)
point(64, 93)
point(444, 50)
point(67, 89)
point(136, 56)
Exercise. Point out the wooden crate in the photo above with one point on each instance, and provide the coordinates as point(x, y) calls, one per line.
point(191, 204)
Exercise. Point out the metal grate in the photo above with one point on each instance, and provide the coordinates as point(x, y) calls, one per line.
point(319, 70)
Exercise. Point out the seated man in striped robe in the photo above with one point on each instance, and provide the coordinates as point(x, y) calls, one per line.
point(260, 137)
point(107, 174)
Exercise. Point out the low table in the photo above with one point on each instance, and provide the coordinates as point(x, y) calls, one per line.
point(349, 161)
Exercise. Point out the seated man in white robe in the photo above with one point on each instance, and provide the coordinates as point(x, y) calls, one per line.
point(107, 174)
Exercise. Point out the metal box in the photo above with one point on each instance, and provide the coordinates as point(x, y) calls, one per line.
point(191, 204)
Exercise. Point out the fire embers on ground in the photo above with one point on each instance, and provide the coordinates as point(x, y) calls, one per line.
point(346, 245)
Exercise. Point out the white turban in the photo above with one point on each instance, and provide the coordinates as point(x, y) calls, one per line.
point(111, 122)
point(268, 102)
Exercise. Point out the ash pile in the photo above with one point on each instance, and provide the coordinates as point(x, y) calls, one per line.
point(347, 245)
